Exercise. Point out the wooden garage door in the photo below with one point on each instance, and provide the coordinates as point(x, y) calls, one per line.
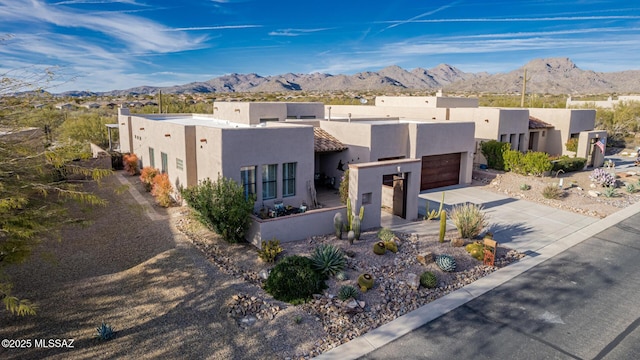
point(440, 170)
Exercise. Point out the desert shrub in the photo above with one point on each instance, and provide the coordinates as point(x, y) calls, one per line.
point(294, 280)
point(551, 191)
point(344, 187)
point(146, 177)
point(130, 162)
point(536, 163)
point(602, 177)
point(525, 187)
point(631, 188)
point(568, 164)
point(533, 162)
point(270, 250)
point(385, 234)
point(514, 161)
point(469, 219)
point(428, 280)
point(492, 151)
point(610, 192)
point(328, 259)
point(348, 292)
point(572, 144)
point(162, 189)
point(222, 206)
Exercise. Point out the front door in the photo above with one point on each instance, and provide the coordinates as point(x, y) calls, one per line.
point(399, 196)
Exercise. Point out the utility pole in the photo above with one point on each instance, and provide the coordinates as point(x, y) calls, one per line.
point(524, 87)
point(160, 101)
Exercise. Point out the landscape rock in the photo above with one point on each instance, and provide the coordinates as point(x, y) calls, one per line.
point(593, 193)
point(413, 280)
point(426, 258)
point(457, 242)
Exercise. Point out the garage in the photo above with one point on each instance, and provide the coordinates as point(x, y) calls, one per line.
point(440, 170)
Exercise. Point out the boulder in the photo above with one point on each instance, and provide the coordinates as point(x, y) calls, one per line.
point(413, 280)
point(426, 258)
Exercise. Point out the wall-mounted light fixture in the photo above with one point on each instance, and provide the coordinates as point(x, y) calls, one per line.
point(122, 123)
point(167, 135)
point(486, 120)
point(236, 110)
point(141, 128)
point(203, 140)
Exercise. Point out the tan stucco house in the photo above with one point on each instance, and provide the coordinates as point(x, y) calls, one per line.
point(279, 152)
point(534, 129)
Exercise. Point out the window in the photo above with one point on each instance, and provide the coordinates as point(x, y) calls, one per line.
point(179, 164)
point(288, 179)
point(165, 163)
point(152, 158)
point(248, 176)
point(269, 181)
point(366, 198)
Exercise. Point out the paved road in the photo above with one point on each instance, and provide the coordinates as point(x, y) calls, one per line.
point(581, 304)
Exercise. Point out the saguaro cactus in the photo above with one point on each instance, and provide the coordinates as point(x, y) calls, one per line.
point(443, 224)
point(355, 227)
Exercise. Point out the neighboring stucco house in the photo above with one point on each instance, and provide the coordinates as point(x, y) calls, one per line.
point(534, 129)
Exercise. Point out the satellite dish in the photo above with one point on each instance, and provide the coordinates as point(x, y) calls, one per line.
point(363, 101)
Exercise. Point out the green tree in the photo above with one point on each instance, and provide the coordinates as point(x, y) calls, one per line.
point(34, 188)
point(85, 128)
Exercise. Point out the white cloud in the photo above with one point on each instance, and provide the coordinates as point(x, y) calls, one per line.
point(221, 27)
point(72, 2)
point(132, 31)
point(296, 32)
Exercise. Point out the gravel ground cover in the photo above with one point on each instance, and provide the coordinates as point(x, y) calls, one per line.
point(171, 288)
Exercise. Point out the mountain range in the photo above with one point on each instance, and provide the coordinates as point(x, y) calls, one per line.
point(544, 76)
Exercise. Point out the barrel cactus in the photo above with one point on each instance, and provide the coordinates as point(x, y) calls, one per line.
point(476, 250)
point(365, 281)
point(337, 224)
point(428, 280)
point(379, 248)
point(446, 262)
point(391, 246)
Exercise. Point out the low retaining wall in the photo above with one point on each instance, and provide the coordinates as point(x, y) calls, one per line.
point(293, 227)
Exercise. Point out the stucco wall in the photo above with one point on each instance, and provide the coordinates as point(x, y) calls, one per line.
point(269, 145)
point(293, 227)
point(426, 101)
point(356, 136)
point(438, 138)
point(389, 140)
point(565, 122)
point(305, 110)
point(367, 178)
point(367, 111)
point(164, 137)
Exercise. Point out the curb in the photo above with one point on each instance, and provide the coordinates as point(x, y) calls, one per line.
point(399, 327)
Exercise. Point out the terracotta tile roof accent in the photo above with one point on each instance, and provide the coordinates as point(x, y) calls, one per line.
point(325, 142)
point(535, 123)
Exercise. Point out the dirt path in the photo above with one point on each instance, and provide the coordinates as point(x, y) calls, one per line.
point(161, 295)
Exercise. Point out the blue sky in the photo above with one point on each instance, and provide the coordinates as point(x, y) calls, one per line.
point(118, 44)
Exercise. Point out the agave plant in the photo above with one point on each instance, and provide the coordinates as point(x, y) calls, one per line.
point(348, 292)
point(446, 263)
point(105, 332)
point(328, 259)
